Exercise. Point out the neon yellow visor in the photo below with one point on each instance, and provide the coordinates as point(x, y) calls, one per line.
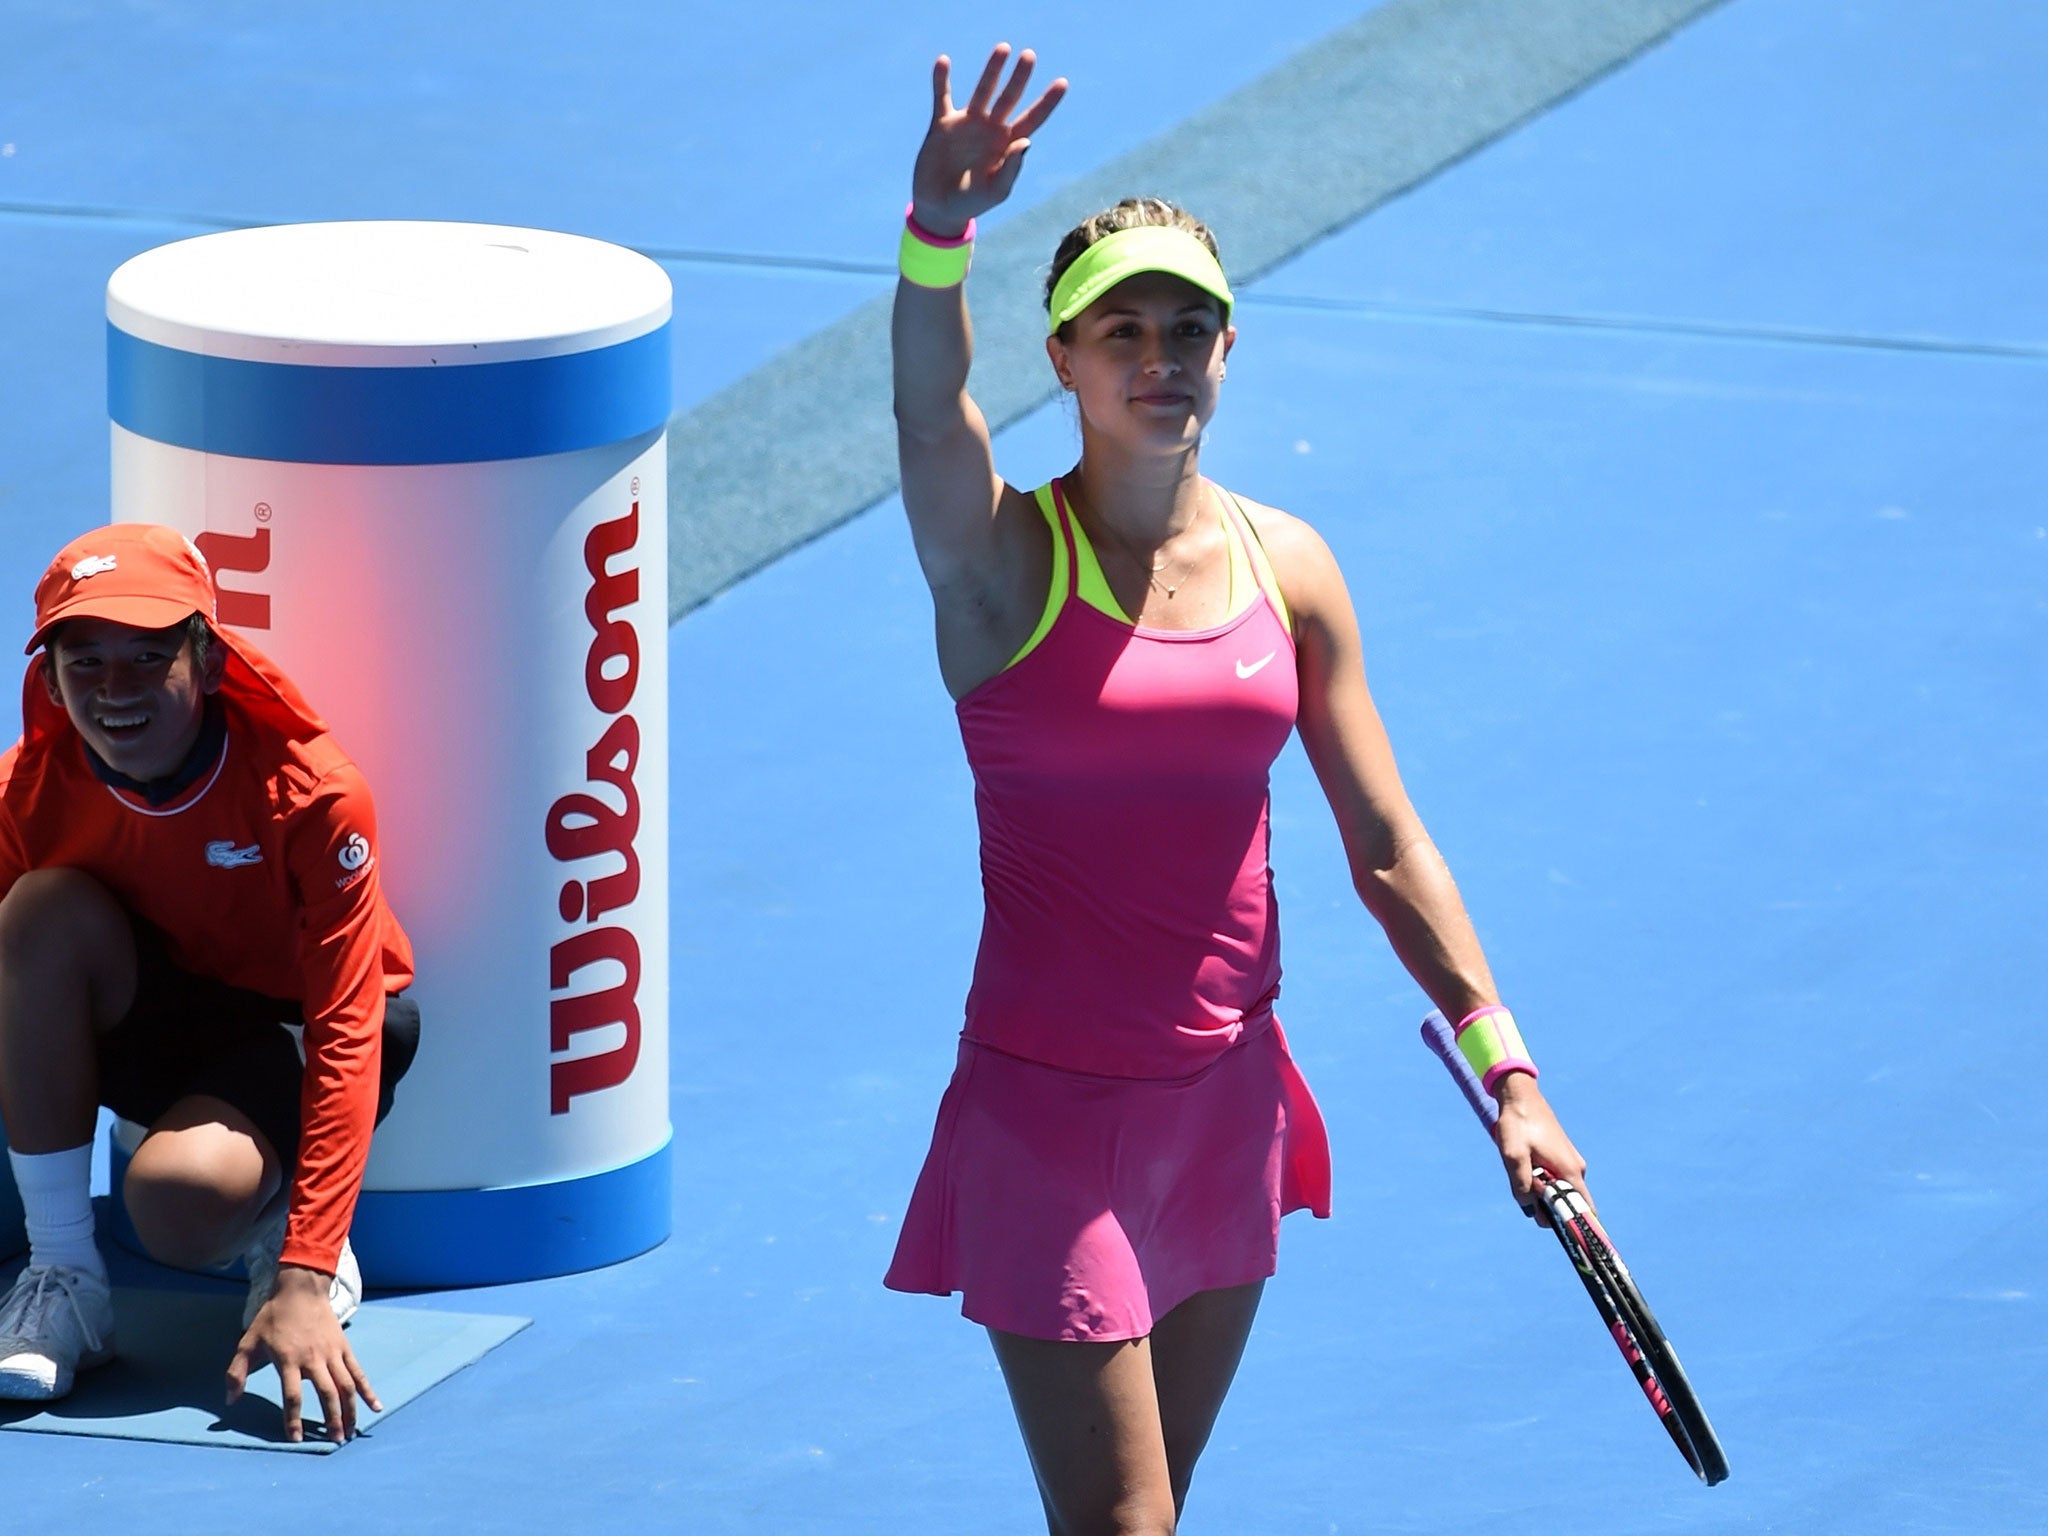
point(1149, 248)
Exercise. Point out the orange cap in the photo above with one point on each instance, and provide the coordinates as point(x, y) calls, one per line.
point(132, 573)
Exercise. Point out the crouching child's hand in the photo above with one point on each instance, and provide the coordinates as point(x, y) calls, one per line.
point(296, 1330)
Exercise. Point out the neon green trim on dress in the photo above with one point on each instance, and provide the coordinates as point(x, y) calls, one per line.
point(1250, 573)
point(1090, 585)
point(1057, 594)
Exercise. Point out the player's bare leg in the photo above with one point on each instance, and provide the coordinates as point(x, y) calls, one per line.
point(1114, 1430)
point(1195, 1351)
point(1090, 1418)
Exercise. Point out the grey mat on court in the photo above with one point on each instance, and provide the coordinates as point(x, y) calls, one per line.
point(173, 1347)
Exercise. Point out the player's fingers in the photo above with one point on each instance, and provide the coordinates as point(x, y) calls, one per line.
point(1013, 89)
point(362, 1381)
point(1041, 109)
point(1521, 1172)
point(1562, 1161)
point(1531, 1189)
point(288, 1397)
point(942, 83)
point(1585, 1194)
point(991, 73)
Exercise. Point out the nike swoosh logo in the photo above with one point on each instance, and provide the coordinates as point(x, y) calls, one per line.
point(1247, 671)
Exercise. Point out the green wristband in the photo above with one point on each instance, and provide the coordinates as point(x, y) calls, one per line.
point(931, 261)
point(1492, 1046)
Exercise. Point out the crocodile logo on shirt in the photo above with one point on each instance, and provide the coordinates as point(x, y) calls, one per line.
point(223, 854)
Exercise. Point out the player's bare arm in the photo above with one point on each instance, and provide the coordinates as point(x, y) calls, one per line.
point(979, 542)
point(1400, 876)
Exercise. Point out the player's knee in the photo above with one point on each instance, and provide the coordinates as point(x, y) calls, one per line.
point(1142, 1510)
point(1136, 1513)
point(1148, 1520)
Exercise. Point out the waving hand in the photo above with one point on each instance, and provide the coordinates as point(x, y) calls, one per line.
point(971, 155)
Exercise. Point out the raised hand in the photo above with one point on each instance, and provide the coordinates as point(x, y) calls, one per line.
point(971, 155)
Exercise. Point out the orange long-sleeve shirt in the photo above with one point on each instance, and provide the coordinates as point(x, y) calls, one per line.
point(262, 874)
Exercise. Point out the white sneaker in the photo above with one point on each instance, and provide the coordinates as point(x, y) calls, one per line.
point(259, 1258)
point(56, 1322)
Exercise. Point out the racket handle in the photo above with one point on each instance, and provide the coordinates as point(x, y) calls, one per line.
point(1438, 1035)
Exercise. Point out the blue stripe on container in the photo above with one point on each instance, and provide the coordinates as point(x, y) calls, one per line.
point(524, 1232)
point(454, 413)
point(433, 1237)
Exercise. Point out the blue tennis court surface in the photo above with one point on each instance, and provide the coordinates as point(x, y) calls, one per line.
point(1682, 448)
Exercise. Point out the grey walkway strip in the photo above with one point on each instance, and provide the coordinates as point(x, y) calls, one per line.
point(805, 441)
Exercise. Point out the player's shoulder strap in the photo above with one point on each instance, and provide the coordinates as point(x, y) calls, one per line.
point(1262, 563)
point(1067, 538)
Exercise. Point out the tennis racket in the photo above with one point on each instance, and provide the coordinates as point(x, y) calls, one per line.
point(1607, 1281)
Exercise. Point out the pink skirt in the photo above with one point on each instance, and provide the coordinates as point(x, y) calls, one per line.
point(1067, 1206)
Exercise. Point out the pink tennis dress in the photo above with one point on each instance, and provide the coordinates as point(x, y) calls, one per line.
point(1125, 1126)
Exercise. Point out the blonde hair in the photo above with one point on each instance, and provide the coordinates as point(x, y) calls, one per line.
point(1131, 213)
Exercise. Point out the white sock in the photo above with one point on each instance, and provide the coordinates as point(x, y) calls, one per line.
point(56, 1199)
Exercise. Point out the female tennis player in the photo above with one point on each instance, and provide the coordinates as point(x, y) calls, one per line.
point(1129, 647)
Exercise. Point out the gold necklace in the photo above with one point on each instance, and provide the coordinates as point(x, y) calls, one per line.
point(1151, 571)
point(1153, 577)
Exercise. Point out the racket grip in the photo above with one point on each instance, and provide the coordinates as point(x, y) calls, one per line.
point(1438, 1035)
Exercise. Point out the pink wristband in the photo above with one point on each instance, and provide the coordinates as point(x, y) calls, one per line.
point(1475, 1016)
point(924, 236)
point(1500, 1069)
